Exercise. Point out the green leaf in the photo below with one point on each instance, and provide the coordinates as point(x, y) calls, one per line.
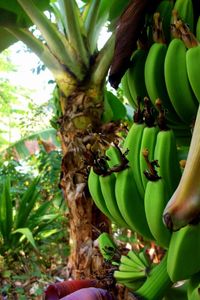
point(58, 44)
point(17, 15)
point(118, 108)
point(107, 113)
point(26, 204)
point(27, 234)
point(6, 39)
point(6, 212)
point(20, 146)
point(100, 16)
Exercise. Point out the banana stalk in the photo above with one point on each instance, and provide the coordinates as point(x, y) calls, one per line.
point(184, 205)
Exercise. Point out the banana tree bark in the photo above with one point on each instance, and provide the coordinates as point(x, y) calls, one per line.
point(80, 126)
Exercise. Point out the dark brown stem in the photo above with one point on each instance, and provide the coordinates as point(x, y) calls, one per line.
point(151, 173)
point(161, 118)
point(158, 34)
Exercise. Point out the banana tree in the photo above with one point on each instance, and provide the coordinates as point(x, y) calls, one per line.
point(67, 45)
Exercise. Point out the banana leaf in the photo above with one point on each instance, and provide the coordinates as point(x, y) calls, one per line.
point(13, 15)
point(26, 233)
point(20, 148)
point(6, 212)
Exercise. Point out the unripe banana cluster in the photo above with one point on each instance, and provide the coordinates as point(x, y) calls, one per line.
point(166, 63)
point(134, 181)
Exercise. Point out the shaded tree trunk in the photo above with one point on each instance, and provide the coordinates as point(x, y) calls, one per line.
point(81, 132)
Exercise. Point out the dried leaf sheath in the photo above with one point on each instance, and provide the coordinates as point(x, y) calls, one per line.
point(128, 31)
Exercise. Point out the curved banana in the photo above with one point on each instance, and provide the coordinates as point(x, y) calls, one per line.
point(148, 142)
point(107, 246)
point(198, 29)
point(154, 75)
point(167, 156)
point(193, 287)
point(177, 83)
point(130, 203)
point(132, 144)
point(107, 184)
point(184, 205)
point(132, 272)
point(96, 193)
point(192, 63)
point(185, 11)
point(126, 91)
point(135, 75)
point(156, 197)
point(183, 253)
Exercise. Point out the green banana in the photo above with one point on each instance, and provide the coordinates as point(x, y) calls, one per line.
point(132, 143)
point(126, 91)
point(148, 142)
point(129, 275)
point(139, 258)
point(156, 197)
point(145, 259)
point(183, 253)
point(192, 64)
point(182, 98)
point(135, 75)
point(156, 284)
point(130, 203)
point(107, 246)
point(165, 9)
point(134, 264)
point(107, 184)
point(132, 285)
point(113, 156)
point(185, 12)
point(184, 205)
point(96, 193)
point(132, 271)
point(154, 75)
point(193, 287)
point(167, 155)
point(198, 29)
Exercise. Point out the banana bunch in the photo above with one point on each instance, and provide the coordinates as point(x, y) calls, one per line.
point(133, 269)
point(166, 69)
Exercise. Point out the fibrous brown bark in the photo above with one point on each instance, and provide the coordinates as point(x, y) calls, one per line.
point(82, 136)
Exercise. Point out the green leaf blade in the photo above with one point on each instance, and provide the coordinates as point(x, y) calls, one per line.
point(6, 212)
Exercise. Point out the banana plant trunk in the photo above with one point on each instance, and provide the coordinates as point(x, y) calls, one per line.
point(79, 125)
